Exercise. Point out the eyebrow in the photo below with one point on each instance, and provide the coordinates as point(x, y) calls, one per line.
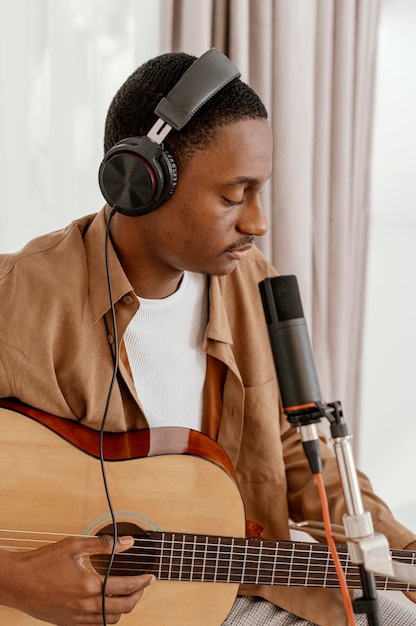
point(242, 180)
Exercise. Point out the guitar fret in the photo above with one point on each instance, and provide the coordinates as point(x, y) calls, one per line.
point(276, 551)
point(297, 572)
point(243, 567)
point(328, 561)
point(213, 558)
point(204, 559)
point(221, 569)
point(347, 563)
point(290, 569)
point(412, 563)
point(193, 560)
point(169, 558)
point(250, 576)
point(258, 564)
point(178, 555)
point(238, 556)
point(165, 554)
point(162, 551)
point(231, 560)
point(308, 565)
point(224, 568)
point(182, 571)
point(283, 559)
point(181, 559)
point(217, 559)
point(266, 562)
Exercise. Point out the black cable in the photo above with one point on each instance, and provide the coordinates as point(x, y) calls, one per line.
point(105, 414)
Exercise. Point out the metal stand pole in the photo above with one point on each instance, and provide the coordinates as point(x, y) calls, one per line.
point(357, 523)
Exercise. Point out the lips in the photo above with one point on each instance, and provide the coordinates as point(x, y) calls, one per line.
point(239, 252)
point(243, 245)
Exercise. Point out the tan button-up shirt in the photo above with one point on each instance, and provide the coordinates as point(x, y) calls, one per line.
point(56, 354)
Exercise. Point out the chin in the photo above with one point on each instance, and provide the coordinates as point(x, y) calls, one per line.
point(224, 271)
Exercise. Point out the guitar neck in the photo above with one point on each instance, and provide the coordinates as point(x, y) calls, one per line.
point(207, 558)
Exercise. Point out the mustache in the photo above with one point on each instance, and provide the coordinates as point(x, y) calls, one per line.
point(241, 243)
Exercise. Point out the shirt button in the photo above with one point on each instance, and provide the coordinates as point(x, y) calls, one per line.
point(128, 299)
point(110, 338)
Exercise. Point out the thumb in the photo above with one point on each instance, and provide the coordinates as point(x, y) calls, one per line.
point(103, 544)
point(107, 542)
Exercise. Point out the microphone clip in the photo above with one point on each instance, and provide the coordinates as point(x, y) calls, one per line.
point(307, 414)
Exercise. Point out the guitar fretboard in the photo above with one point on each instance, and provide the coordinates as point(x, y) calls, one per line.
point(206, 558)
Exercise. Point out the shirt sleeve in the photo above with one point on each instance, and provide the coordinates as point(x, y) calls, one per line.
point(5, 387)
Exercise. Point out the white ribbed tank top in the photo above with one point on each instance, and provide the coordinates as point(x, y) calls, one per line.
point(163, 344)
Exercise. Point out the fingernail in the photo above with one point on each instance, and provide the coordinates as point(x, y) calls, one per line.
point(125, 540)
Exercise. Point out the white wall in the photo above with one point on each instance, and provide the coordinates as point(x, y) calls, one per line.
point(61, 62)
point(387, 450)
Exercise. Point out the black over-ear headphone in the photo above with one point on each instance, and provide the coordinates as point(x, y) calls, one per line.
point(138, 175)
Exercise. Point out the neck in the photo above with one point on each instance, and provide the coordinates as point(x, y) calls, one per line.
point(154, 287)
point(148, 280)
point(149, 277)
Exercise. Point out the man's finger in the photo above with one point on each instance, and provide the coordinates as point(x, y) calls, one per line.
point(107, 541)
point(127, 585)
point(102, 544)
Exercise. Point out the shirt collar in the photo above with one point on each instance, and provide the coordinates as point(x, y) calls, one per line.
point(94, 242)
point(218, 327)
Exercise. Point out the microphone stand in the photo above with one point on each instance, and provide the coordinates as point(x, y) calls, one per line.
point(358, 525)
point(369, 550)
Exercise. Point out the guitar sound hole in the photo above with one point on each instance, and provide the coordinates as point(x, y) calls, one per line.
point(139, 559)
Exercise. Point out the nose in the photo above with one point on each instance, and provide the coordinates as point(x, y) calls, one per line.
point(252, 219)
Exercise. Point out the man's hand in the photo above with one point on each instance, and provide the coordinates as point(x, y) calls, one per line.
point(52, 584)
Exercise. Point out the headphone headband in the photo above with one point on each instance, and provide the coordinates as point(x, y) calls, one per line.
point(202, 80)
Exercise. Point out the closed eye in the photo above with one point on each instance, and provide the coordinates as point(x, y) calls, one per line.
point(233, 202)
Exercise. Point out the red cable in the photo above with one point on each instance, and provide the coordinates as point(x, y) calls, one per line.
point(331, 543)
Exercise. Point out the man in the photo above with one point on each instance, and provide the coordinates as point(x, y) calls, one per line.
point(193, 347)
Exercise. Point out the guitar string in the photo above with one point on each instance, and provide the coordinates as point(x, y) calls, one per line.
point(296, 547)
point(250, 573)
point(237, 573)
point(188, 545)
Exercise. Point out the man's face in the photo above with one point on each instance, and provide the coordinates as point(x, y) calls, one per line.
point(210, 221)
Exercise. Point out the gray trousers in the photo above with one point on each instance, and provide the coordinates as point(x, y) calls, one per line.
point(249, 611)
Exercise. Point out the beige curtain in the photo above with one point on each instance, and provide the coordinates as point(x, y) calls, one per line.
point(312, 62)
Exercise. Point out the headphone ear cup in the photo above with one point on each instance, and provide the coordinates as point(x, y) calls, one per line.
point(137, 175)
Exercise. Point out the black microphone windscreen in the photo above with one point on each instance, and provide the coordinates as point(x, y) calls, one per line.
point(290, 343)
point(287, 298)
point(281, 299)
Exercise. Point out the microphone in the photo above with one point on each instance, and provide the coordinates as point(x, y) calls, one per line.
point(294, 362)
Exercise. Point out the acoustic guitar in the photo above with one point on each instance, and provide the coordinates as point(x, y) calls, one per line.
point(172, 488)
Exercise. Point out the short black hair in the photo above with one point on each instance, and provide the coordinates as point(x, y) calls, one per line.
point(131, 113)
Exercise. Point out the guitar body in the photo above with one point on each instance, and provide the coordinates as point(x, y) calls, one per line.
point(163, 479)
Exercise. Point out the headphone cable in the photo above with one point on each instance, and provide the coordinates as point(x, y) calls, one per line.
point(105, 414)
